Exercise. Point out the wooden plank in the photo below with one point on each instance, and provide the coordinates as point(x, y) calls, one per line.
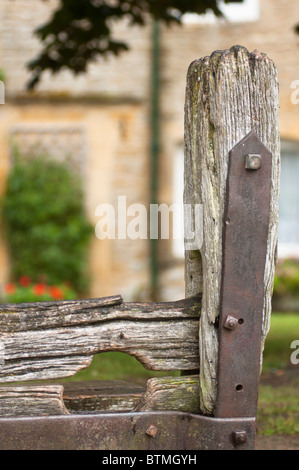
point(32, 400)
point(104, 395)
point(163, 393)
point(56, 339)
point(171, 394)
point(40, 315)
point(228, 94)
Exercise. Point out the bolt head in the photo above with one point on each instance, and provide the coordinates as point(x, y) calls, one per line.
point(253, 162)
point(239, 437)
point(151, 430)
point(230, 322)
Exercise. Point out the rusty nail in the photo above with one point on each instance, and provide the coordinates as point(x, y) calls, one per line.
point(152, 430)
point(239, 437)
point(253, 162)
point(230, 322)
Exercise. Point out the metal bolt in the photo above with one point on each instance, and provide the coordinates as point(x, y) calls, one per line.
point(152, 430)
point(230, 322)
point(253, 162)
point(239, 437)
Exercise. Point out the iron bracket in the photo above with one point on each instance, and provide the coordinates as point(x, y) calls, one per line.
point(245, 236)
point(127, 431)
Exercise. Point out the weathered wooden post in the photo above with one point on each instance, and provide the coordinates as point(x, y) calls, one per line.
point(230, 95)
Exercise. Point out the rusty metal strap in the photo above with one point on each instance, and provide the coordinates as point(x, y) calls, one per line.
point(127, 431)
point(242, 290)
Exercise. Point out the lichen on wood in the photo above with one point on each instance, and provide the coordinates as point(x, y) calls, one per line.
point(171, 394)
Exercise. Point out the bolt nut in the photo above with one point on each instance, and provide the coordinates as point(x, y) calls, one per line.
point(253, 162)
point(239, 437)
point(151, 430)
point(230, 322)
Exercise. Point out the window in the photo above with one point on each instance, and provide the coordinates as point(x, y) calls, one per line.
point(234, 11)
point(288, 236)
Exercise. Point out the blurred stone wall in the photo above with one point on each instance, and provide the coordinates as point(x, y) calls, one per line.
point(102, 119)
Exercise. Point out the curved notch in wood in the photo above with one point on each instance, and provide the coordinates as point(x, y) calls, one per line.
point(56, 339)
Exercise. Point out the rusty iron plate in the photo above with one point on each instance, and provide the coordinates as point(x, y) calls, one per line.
point(242, 290)
point(127, 431)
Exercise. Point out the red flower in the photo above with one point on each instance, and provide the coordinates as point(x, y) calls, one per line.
point(39, 289)
point(10, 288)
point(25, 281)
point(56, 292)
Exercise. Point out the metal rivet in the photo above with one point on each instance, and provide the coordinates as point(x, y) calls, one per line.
point(239, 437)
point(253, 162)
point(151, 430)
point(230, 322)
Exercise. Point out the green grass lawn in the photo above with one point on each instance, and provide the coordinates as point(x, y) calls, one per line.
point(117, 366)
point(278, 410)
point(284, 329)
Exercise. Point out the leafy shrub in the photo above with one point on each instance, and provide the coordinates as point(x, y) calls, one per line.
point(286, 281)
point(45, 224)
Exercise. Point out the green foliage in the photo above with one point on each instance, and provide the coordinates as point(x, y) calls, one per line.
point(46, 228)
point(79, 31)
point(286, 281)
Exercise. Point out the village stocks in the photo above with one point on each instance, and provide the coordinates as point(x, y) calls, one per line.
point(151, 459)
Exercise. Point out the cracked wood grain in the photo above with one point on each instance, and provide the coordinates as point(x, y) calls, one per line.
point(56, 339)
